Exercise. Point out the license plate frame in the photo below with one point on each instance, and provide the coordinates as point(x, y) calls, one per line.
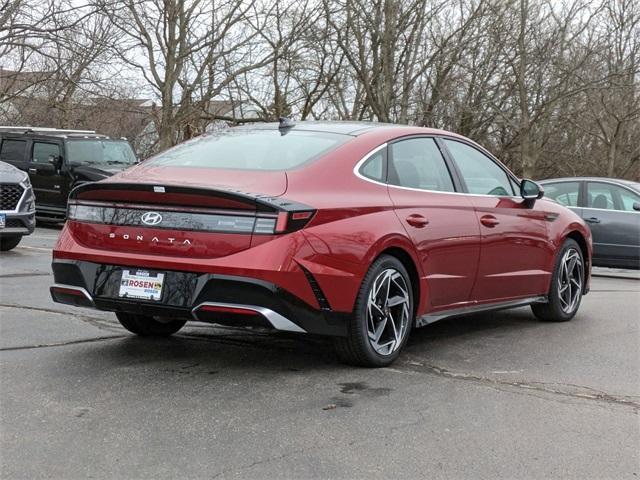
point(141, 284)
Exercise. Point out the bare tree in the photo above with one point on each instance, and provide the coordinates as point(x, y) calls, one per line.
point(181, 48)
point(551, 86)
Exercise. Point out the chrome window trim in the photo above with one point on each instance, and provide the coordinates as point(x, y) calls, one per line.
point(356, 172)
point(274, 318)
point(356, 169)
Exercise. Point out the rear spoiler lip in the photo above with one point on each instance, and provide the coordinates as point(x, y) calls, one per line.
point(261, 202)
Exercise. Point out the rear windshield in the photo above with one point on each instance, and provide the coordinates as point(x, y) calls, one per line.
point(250, 150)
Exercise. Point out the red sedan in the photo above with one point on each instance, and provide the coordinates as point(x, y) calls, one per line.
point(356, 231)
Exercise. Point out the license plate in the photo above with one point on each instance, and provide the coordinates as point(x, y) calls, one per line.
point(141, 284)
point(3, 220)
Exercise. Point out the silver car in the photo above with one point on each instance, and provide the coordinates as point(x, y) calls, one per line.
point(611, 207)
point(17, 206)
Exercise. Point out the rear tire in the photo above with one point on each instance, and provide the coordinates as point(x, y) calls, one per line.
point(9, 243)
point(148, 326)
point(382, 318)
point(567, 285)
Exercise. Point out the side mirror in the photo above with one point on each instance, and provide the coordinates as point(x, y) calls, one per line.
point(530, 190)
point(56, 161)
point(636, 206)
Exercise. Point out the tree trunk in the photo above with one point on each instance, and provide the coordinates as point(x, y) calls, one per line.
point(526, 160)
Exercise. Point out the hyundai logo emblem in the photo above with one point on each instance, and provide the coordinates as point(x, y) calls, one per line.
point(151, 218)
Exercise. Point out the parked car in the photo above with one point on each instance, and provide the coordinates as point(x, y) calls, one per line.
point(611, 207)
point(17, 206)
point(58, 160)
point(356, 231)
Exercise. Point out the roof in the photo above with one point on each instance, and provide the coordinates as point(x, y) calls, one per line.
point(49, 132)
point(574, 179)
point(629, 183)
point(341, 127)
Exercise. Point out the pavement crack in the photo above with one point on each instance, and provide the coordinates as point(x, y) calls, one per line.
point(25, 274)
point(259, 462)
point(101, 323)
point(422, 420)
point(562, 389)
point(61, 344)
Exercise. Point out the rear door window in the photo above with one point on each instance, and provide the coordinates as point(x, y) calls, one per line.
point(565, 193)
point(12, 151)
point(418, 163)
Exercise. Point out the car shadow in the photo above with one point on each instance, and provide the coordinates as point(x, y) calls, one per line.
point(205, 350)
point(208, 351)
point(476, 325)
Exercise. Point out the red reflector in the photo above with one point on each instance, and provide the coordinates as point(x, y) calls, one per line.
point(223, 309)
point(281, 224)
point(68, 291)
point(301, 215)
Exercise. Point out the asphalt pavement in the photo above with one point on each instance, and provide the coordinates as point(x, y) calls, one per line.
point(497, 395)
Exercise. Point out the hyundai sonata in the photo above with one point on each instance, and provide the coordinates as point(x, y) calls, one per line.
point(356, 231)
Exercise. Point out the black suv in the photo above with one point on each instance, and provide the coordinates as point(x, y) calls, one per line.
point(58, 160)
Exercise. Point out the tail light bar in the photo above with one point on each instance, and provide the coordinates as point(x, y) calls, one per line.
point(175, 218)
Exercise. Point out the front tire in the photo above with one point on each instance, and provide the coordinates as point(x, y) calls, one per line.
point(148, 326)
point(382, 318)
point(9, 243)
point(567, 286)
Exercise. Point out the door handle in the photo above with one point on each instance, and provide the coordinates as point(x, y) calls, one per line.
point(593, 220)
point(489, 221)
point(32, 170)
point(417, 221)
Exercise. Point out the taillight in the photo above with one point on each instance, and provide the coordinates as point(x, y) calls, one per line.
point(162, 217)
point(291, 221)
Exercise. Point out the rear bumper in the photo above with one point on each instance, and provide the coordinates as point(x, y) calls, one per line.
point(207, 297)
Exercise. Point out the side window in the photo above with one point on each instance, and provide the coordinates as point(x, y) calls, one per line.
point(418, 163)
point(12, 150)
point(481, 174)
point(628, 199)
point(565, 193)
point(42, 151)
point(373, 168)
point(610, 197)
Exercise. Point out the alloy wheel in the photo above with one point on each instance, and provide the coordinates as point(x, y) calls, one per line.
point(388, 312)
point(570, 279)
